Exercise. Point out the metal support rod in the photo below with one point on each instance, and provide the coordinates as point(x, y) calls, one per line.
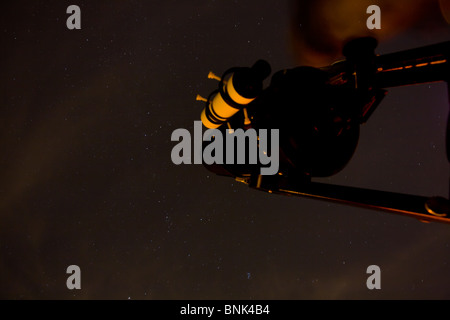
point(420, 65)
point(404, 204)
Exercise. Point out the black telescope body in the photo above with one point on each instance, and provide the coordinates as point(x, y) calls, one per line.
point(318, 112)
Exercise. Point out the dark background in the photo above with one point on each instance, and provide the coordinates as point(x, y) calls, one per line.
point(86, 176)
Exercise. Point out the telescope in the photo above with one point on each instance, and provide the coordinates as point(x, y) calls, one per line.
point(319, 112)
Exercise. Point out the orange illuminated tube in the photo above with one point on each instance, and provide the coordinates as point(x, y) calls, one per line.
point(237, 88)
point(219, 110)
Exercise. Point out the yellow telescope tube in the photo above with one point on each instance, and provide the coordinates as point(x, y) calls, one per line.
point(219, 110)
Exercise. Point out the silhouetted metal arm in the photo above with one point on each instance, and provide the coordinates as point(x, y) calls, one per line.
point(421, 65)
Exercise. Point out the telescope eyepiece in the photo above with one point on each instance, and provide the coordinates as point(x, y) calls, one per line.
point(238, 87)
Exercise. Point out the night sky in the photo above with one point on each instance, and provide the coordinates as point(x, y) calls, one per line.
point(86, 176)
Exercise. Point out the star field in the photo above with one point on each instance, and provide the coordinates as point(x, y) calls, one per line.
point(86, 176)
